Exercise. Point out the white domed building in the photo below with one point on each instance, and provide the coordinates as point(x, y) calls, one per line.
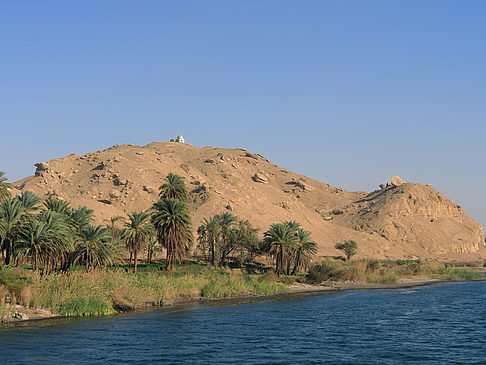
point(179, 139)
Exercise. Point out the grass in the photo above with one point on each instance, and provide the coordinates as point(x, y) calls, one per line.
point(102, 292)
point(108, 291)
point(453, 274)
point(389, 271)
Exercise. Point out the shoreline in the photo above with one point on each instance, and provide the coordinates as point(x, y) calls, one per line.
point(295, 292)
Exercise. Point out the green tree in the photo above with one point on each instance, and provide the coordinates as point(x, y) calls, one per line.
point(30, 202)
point(57, 205)
point(11, 224)
point(208, 239)
point(226, 222)
point(137, 233)
point(246, 241)
point(304, 251)
point(173, 225)
point(95, 248)
point(349, 247)
point(281, 241)
point(44, 238)
point(173, 188)
point(4, 187)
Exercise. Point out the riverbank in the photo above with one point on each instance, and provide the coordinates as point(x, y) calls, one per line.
point(25, 294)
point(21, 314)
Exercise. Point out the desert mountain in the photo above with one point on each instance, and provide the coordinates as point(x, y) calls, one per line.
point(400, 220)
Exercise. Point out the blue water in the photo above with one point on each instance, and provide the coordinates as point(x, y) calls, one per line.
point(429, 325)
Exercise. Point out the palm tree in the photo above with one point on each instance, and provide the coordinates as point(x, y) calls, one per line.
point(80, 218)
point(11, 224)
point(4, 186)
point(226, 222)
point(137, 232)
point(96, 248)
point(281, 240)
point(173, 188)
point(305, 250)
point(112, 225)
point(208, 238)
point(44, 238)
point(57, 205)
point(29, 201)
point(173, 225)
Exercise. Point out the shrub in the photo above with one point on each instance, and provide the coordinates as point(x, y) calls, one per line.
point(323, 272)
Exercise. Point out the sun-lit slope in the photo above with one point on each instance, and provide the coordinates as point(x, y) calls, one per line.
point(125, 178)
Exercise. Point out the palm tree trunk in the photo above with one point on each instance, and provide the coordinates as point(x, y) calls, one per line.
point(135, 260)
point(212, 253)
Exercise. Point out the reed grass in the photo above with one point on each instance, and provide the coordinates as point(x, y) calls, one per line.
point(104, 292)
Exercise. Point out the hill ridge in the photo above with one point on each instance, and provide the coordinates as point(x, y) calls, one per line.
point(399, 220)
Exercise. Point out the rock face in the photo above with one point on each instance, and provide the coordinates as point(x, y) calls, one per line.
point(401, 220)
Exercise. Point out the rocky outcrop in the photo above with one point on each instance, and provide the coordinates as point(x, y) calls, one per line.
point(397, 181)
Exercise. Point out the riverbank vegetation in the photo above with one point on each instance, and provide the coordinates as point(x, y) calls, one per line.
point(109, 291)
point(390, 271)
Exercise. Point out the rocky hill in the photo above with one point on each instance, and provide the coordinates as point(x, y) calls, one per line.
point(400, 220)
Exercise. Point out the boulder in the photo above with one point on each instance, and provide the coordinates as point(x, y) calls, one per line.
point(397, 181)
point(41, 167)
point(259, 178)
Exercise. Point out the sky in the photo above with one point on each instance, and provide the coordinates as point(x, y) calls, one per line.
point(345, 92)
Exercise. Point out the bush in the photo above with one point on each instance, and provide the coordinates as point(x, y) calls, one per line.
point(323, 272)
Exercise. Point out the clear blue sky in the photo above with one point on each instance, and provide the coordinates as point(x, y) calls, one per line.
point(347, 92)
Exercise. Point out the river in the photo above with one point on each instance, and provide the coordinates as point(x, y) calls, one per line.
point(427, 325)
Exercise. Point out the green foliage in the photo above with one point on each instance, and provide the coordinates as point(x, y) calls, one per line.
point(383, 277)
point(87, 306)
point(281, 239)
point(12, 279)
point(290, 246)
point(95, 248)
point(173, 188)
point(324, 271)
point(138, 232)
point(349, 247)
point(105, 292)
point(4, 187)
point(173, 226)
point(223, 235)
point(449, 273)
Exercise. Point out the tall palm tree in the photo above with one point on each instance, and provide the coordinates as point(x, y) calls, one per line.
point(305, 250)
point(281, 240)
point(11, 223)
point(173, 225)
point(137, 233)
point(173, 188)
point(95, 248)
point(4, 186)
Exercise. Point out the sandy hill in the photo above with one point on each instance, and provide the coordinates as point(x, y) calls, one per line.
point(401, 220)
